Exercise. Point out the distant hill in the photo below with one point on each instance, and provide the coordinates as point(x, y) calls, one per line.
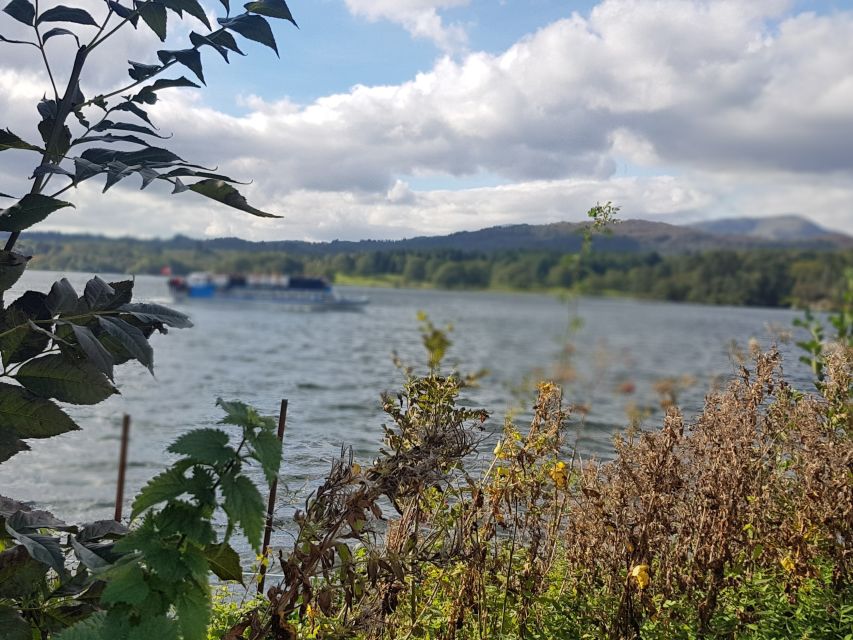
point(628, 236)
point(788, 228)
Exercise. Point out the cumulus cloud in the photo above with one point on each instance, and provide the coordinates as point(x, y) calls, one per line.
point(726, 108)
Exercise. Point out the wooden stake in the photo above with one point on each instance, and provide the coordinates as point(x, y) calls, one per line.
point(122, 465)
point(282, 420)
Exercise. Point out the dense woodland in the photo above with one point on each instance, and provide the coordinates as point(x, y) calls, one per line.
point(761, 277)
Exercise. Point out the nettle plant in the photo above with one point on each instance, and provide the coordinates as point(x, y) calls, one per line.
point(62, 346)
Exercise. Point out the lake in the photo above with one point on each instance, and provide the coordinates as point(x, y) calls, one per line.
point(332, 368)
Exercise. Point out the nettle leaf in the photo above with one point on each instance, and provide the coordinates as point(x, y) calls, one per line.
point(67, 14)
point(266, 449)
point(29, 210)
point(223, 192)
point(66, 379)
point(160, 627)
point(125, 584)
point(9, 140)
point(154, 15)
point(59, 31)
point(62, 297)
point(207, 446)
point(271, 8)
point(22, 11)
point(252, 27)
point(31, 416)
point(190, 58)
point(193, 608)
point(124, 12)
point(150, 312)
point(95, 352)
point(165, 486)
point(131, 339)
point(243, 503)
point(192, 7)
point(224, 562)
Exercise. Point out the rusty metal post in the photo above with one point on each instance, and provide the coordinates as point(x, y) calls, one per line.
point(282, 420)
point(122, 465)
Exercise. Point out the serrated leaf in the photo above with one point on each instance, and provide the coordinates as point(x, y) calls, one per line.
point(207, 446)
point(125, 584)
point(243, 503)
point(190, 58)
point(18, 340)
point(182, 518)
point(101, 529)
point(199, 41)
point(127, 126)
point(159, 627)
point(266, 449)
point(154, 15)
point(67, 14)
point(45, 549)
point(31, 416)
point(10, 445)
point(193, 608)
point(243, 415)
point(96, 353)
point(22, 11)
point(66, 379)
point(150, 312)
point(224, 562)
point(9, 140)
point(28, 521)
point(132, 108)
point(164, 486)
point(252, 27)
point(62, 297)
point(59, 31)
point(192, 7)
point(131, 339)
point(29, 210)
point(271, 8)
point(91, 628)
point(225, 39)
point(226, 194)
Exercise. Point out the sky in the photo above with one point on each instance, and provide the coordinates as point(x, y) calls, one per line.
point(388, 119)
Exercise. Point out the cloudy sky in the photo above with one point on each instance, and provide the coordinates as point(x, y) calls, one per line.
point(394, 118)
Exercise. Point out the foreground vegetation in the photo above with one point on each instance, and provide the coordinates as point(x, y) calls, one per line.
point(767, 277)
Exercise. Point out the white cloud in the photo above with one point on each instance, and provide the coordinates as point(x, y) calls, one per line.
point(419, 17)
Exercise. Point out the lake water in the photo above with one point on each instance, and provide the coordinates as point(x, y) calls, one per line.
point(332, 368)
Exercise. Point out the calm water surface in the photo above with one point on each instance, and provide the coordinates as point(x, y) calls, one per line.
point(333, 366)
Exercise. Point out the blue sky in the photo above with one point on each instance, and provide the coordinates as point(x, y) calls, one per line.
point(394, 118)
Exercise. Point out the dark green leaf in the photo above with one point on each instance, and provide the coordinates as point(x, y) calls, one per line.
point(190, 58)
point(123, 12)
point(226, 194)
point(62, 297)
point(243, 504)
point(9, 140)
point(49, 168)
point(165, 486)
point(96, 354)
point(66, 379)
point(124, 126)
point(193, 607)
point(10, 445)
point(12, 266)
point(84, 169)
point(59, 31)
point(22, 11)
point(159, 627)
point(67, 14)
point(110, 138)
point(225, 39)
point(98, 294)
point(20, 574)
point(29, 210)
point(146, 93)
point(131, 339)
point(224, 562)
point(154, 15)
point(132, 108)
point(125, 584)
point(149, 312)
point(271, 8)
point(28, 521)
point(266, 449)
point(187, 520)
point(13, 625)
point(199, 41)
point(207, 446)
point(192, 173)
point(101, 529)
point(45, 549)
point(89, 558)
point(30, 416)
point(192, 7)
point(149, 155)
point(18, 340)
point(252, 27)
point(91, 628)
point(139, 71)
point(243, 415)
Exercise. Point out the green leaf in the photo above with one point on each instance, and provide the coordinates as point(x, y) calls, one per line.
point(126, 126)
point(154, 15)
point(9, 140)
point(10, 445)
point(192, 7)
point(132, 108)
point(123, 12)
point(139, 71)
point(98, 294)
point(59, 31)
point(12, 266)
point(89, 558)
point(96, 353)
point(22, 11)
point(62, 297)
point(29, 210)
point(131, 339)
point(67, 14)
point(45, 549)
point(125, 584)
point(243, 415)
point(271, 8)
point(101, 529)
point(193, 608)
point(30, 416)
point(190, 58)
point(159, 627)
point(243, 503)
point(20, 574)
point(266, 449)
point(18, 340)
point(226, 194)
point(66, 379)
point(91, 628)
point(150, 312)
point(164, 486)
point(252, 27)
point(207, 446)
point(13, 625)
point(224, 562)
point(224, 39)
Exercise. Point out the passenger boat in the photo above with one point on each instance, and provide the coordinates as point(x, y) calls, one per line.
point(291, 292)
